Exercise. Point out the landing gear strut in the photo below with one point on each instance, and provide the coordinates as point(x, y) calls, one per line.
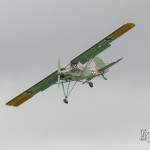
point(91, 84)
point(67, 89)
point(104, 77)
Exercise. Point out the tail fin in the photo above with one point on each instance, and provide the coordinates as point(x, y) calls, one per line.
point(99, 64)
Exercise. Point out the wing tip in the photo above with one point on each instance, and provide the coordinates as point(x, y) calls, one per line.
point(129, 25)
point(19, 100)
point(123, 29)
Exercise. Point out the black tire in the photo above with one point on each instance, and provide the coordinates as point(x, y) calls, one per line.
point(91, 84)
point(65, 101)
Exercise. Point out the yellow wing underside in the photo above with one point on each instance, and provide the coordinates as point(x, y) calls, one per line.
point(19, 99)
point(123, 29)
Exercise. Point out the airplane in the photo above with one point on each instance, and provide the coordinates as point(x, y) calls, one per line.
point(77, 71)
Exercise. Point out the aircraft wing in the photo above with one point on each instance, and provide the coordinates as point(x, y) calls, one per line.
point(29, 93)
point(102, 45)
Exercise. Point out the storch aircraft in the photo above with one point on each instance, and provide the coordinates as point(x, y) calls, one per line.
point(77, 71)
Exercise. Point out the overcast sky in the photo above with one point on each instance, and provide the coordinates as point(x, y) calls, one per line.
point(34, 34)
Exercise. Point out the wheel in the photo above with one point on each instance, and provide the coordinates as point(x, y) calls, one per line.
point(65, 101)
point(91, 84)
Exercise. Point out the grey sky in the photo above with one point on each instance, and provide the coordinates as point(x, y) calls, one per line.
point(34, 34)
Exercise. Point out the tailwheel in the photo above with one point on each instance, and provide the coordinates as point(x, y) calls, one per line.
point(91, 84)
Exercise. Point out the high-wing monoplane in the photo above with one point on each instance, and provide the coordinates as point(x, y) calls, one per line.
point(77, 71)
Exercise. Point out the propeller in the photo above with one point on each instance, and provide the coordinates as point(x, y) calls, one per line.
point(59, 72)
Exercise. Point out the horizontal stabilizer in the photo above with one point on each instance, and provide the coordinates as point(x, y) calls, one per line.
point(109, 65)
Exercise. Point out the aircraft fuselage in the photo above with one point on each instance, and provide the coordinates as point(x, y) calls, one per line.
point(77, 74)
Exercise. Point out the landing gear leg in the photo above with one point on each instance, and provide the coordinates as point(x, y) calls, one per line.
point(65, 94)
point(91, 84)
point(67, 91)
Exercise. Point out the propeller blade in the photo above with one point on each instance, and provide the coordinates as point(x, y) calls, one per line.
point(59, 66)
point(59, 72)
